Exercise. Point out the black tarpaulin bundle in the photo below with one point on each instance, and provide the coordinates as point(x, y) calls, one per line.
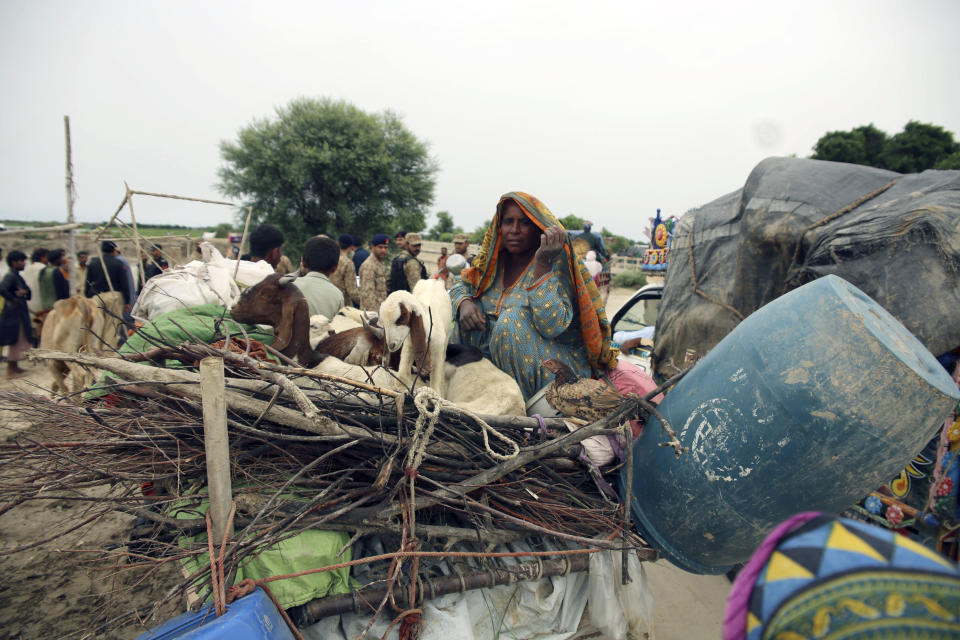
point(895, 236)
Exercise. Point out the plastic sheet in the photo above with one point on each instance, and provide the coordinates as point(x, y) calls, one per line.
point(547, 609)
point(796, 220)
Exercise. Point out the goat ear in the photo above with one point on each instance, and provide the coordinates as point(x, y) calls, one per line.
point(404, 318)
point(373, 325)
point(418, 339)
point(285, 326)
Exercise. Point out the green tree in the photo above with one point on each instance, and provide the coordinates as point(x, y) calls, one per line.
point(840, 146)
point(444, 227)
point(476, 236)
point(614, 243)
point(222, 230)
point(571, 222)
point(918, 147)
point(324, 166)
point(952, 161)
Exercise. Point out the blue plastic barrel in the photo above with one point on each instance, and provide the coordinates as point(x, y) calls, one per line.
point(810, 403)
point(252, 617)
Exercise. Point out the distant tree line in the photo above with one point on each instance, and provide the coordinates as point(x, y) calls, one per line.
point(917, 148)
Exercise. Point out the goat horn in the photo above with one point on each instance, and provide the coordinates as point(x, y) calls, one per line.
point(373, 326)
point(285, 280)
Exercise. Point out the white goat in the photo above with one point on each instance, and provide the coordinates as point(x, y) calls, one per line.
point(476, 384)
point(319, 329)
point(378, 376)
point(437, 319)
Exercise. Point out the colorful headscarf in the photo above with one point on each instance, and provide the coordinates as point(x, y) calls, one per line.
point(594, 326)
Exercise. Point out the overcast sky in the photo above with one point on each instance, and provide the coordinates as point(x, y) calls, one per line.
point(604, 109)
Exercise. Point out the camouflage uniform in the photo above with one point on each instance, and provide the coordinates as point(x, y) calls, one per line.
point(345, 277)
point(373, 283)
point(413, 269)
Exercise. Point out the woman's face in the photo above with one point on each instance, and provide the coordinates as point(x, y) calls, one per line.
point(518, 232)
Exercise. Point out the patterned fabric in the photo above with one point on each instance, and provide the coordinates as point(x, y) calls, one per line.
point(832, 577)
point(590, 312)
point(345, 278)
point(373, 283)
point(527, 323)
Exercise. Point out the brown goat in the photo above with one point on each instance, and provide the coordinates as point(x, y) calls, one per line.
point(365, 346)
point(277, 297)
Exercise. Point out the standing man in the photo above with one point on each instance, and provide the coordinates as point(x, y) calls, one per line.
point(320, 260)
point(442, 260)
point(81, 275)
point(401, 240)
point(266, 243)
point(31, 275)
point(360, 254)
point(407, 269)
point(373, 275)
point(461, 243)
point(112, 266)
point(345, 277)
point(594, 241)
point(54, 283)
point(154, 265)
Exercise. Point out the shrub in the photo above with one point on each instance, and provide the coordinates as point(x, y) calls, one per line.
point(630, 279)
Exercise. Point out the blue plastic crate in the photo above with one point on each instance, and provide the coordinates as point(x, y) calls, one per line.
point(252, 617)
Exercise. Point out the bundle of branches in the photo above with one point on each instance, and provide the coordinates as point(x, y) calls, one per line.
point(307, 451)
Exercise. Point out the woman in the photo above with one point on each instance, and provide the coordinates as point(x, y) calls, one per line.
point(527, 298)
point(15, 329)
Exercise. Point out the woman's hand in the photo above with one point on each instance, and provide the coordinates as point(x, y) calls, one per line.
point(471, 316)
point(551, 244)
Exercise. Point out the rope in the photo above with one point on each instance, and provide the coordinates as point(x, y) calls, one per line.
point(424, 394)
point(830, 218)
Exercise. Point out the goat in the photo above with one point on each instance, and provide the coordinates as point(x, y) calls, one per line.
point(79, 324)
point(277, 297)
point(364, 345)
point(378, 376)
point(401, 316)
point(476, 384)
point(436, 316)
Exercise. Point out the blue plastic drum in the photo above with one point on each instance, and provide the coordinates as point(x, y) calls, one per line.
point(812, 402)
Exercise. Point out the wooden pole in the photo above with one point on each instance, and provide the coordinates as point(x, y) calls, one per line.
point(216, 443)
point(243, 239)
point(72, 243)
point(136, 241)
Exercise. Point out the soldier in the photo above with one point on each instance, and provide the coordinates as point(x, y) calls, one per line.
point(345, 277)
point(461, 244)
point(373, 274)
point(407, 269)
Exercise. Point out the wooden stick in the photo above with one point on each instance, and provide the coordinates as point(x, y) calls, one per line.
point(72, 243)
point(56, 227)
point(526, 456)
point(216, 443)
point(243, 238)
point(187, 383)
point(136, 243)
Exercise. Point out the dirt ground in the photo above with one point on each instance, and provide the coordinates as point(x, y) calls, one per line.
point(47, 592)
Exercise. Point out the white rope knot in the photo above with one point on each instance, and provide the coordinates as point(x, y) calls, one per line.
point(425, 395)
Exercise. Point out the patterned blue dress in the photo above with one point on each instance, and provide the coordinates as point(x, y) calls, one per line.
point(527, 323)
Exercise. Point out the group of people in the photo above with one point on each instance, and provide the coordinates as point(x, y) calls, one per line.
point(524, 298)
point(29, 292)
point(363, 278)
